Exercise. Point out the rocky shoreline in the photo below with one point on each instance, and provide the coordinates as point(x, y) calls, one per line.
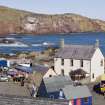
point(5, 42)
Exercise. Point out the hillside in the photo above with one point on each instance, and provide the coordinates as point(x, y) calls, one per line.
point(17, 21)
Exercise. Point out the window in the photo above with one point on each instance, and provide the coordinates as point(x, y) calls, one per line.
point(93, 75)
point(52, 96)
point(81, 63)
point(101, 63)
point(50, 75)
point(62, 62)
point(72, 62)
point(62, 72)
point(30, 64)
point(86, 100)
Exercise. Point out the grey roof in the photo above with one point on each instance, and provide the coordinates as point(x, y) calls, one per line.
point(56, 82)
point(76, 52)
point(38, 68)
point(73, 92)
point(24, 69)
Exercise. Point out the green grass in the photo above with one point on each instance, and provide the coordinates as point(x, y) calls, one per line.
point(9, 14)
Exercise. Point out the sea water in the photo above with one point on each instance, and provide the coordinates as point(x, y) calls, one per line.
point(36, 42)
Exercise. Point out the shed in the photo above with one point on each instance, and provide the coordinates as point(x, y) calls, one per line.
point(78, 95)
point(50, 87)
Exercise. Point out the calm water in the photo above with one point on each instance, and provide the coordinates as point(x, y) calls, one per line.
point(74, 38)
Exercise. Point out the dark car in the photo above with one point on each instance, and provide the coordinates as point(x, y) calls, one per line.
point(97, 89)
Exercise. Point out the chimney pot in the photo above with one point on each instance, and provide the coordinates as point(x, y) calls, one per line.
point(97, 43)
point(62, 43)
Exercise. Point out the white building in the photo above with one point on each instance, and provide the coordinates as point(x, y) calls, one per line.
point(89, 58)
point(50, 73)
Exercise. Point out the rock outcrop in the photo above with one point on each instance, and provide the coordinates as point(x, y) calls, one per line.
point(17, 21)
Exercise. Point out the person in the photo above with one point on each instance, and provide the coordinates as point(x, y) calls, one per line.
point(33, 91)
point(22, 81)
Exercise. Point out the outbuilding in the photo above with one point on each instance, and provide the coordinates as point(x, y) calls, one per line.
point(77, 95)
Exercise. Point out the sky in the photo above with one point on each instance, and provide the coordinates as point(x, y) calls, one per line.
point(90, 8)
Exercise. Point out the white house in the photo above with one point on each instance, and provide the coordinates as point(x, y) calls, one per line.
point(50, 73)
point(88, 58)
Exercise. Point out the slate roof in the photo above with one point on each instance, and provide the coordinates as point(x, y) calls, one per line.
point(38, 68)
point(73, 92)
point(55, 83)
point(76, 52)
point(24, 69)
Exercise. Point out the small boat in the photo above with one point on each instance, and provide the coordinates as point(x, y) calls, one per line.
point(47, 44)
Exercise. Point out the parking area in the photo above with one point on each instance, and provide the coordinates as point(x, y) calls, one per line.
point(11, 88)
point(15, 89)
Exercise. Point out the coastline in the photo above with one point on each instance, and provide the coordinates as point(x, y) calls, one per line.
point(13, 45)
point(50, 34)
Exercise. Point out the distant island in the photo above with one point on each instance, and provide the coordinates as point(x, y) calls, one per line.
point(14, 21)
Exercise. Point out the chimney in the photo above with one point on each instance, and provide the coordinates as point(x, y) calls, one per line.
point(97, 43)
point(62, 43)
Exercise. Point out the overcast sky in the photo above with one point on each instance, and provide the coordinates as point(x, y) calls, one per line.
point(89, 8)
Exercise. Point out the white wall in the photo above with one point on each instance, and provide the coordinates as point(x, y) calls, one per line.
point(50, 72)
point(90, 66)
point(67, 65)
point(96, 67)
point(8, 63)
point(57, 65)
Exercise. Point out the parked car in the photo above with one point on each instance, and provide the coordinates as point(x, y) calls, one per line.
point(4, 78)
point(97, 89)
